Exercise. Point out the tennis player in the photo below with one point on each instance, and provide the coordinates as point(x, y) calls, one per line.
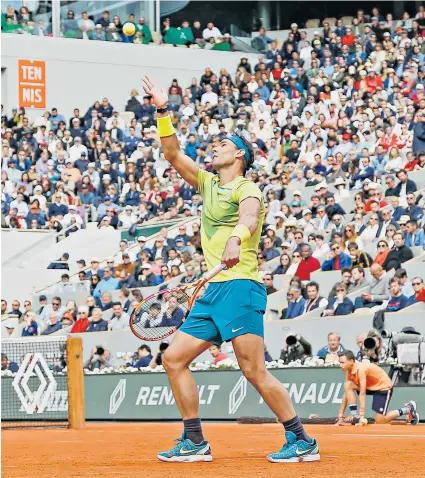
point(369, 379)
point(233, 305)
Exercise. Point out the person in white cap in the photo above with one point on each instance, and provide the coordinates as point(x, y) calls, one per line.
point(71, 217)
point(76, 150)
point(127, 218)
point(307, 223)
point(38, 194)
point(342, 192)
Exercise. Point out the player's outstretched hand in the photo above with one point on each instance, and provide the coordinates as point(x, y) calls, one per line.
point(231, 252)
point(159, 96)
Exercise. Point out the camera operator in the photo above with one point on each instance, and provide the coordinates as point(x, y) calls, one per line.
point(142, 358)
point(373, 348)
point(157, 358)
point(296, 348)
point(99, 358)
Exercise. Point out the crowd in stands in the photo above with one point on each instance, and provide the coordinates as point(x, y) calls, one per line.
point(338, 131)
point(109, 28)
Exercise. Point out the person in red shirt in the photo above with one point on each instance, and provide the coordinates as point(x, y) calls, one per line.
point(217, 354)
point(348, 39)
point(373, 81)
point(375, 197)
point(82, 321)
point(308, 263)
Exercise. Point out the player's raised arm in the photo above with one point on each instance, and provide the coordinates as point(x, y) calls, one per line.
point(170, 145)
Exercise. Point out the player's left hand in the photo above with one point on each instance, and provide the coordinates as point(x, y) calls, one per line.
point(231, 252)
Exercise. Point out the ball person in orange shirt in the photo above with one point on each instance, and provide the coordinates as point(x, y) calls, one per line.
point(369, 379)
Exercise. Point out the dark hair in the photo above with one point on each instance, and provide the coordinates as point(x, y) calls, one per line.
point(116, 303)
point(125, 291)
point(313, 284)
point(346, 269)
point(156, 306)
point(54, 298)
point(353, 245)
point(348, 354)
point(359, 268)
point(145, 347)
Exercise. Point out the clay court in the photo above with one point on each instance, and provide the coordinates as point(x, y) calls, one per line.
point(129, 450)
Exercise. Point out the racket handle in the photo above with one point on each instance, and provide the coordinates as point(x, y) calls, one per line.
point(213, 272)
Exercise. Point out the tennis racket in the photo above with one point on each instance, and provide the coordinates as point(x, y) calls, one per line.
point(161, 314)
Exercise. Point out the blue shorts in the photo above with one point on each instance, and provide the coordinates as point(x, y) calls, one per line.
point(227, 310)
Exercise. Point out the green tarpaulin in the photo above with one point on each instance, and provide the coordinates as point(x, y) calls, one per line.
point(221, 47)
point(178, 36)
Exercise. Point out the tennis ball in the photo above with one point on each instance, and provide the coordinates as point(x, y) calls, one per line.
point(129, 29)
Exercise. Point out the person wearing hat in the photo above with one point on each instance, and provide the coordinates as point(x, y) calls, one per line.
point(229, 198)
point(342, 192)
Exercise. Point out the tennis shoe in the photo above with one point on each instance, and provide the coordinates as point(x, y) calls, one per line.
point(186, 451)
point(295, 451)
point(413, 415)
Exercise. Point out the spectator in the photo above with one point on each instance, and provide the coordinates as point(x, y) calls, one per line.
point(269, 251)
point(142, 359)
point(55, 307)
point(406, 284)
point(82, 321)
point(397, 300)
point(217, 354)
point(358, 275)
point(268, 282)
point(314, 300)
point(7, 364)
point(296, 303)
point(377, 291)
point(284, 263)
point(31, 326)
point(383, 251)
point(120, 320)
point(308, 263)
point(16, 309)
point(97, 324)
point(399, 254)
point(329, 353)
point(414, 236)
point(174, 315)
point(340, 304)
point(336, 260)
point(358, 258)
point(419, 288)
point(107, 284)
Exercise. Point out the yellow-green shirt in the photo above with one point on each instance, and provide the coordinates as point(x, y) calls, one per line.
point(220, 214)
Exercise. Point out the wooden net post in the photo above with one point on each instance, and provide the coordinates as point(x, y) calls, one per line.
point(76, 411)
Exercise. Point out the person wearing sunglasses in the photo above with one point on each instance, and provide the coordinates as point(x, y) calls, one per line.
point(296, 303)
point(415, 236)
point(419, 288)
point(383, 250)
point(336, 259)
point(340, 304)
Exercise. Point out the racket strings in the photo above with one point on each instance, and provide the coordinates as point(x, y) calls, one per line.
point(154, 318)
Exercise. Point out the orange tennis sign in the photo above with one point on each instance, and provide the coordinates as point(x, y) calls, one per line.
point(32, 83)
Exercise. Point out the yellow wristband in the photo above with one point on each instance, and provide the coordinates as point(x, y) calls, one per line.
point(242, 232)
point(165, 127)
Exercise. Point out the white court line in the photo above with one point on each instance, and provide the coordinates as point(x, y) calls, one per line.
point(375, 435)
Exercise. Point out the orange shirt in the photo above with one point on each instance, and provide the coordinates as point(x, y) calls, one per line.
point(376, 377)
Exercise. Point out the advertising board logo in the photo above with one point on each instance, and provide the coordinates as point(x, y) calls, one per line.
point(36, 401)
point(117, 397)
point(237, 395)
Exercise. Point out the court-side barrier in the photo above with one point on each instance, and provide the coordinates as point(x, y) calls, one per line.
point(223, 395)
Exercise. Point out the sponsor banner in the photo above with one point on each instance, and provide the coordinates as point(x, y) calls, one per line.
point(222, 395)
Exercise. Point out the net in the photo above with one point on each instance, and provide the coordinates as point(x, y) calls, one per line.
point(159, 315)
point(34, 382)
